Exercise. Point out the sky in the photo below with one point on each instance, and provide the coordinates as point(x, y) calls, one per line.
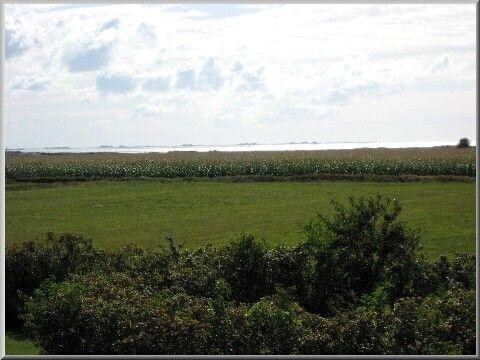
point(89, 75)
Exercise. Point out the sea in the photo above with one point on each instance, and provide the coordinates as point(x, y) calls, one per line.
point(242, 147)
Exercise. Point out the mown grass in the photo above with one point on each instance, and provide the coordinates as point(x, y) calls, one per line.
point(144, 212)
point(387, 162)
point(16, 344)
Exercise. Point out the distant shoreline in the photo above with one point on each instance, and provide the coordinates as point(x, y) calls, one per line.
point(245, 147)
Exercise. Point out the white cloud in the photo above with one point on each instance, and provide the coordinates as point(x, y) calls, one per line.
point(26, 83)
point(160, 83)
point(116, 83)
point(111, 24)
point(88, 58)
point(440, 65)
point(147, 33)
point(255, 72)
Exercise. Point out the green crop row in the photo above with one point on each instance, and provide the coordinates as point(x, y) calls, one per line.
point(98, 166)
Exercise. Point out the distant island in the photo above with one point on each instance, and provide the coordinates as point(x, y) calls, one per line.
point(112, 147)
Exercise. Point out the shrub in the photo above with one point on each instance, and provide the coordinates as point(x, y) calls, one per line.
point(436, 324)
point(244, 268)
point(443, 274)
point(362, 332)
point(197, 271)
point(362, 245)
point(291, 268)
point(112, 314)
point(119, 313)
point(28, 264)
point(274, 326)
point(463, 270)
point(222, 329)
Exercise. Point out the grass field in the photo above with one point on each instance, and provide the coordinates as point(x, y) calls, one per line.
point(144, 212)
point(16, 344)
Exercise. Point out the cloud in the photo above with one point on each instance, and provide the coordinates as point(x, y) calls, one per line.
point(301, 61)
point(115, 84)
point(217, 11)
point(60, 7)
point(160, 83)
point(147, 33)
point(14, 45)
point(111, 24)
point(238, 67)
point(441, 64)
point(365, 88)
point(186, 79)
point(89, 58)
point(33, 84)
point(343, 92)
point(337, 97)
point(145, 110)
point(427, 49)
point(211, 75)
point(250, 81)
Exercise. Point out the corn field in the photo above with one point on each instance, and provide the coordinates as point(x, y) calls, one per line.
point(94, 166)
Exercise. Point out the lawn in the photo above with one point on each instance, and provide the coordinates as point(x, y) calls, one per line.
point(200, 212)
point(16, 344)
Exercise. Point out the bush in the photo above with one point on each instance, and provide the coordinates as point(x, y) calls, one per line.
point(362, 246)
point(244, 268)
point(436, 324)
point(196, 272)
point(442, 274)
point(274, 325)
point(112, 314)
point(28, 264)
point(463, 143)
point(292, 268)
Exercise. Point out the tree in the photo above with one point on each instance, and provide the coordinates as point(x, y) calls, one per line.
point(463, 143)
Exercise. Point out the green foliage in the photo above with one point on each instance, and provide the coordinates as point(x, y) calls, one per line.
point(245, 268)
point(380, 297)
point(274, 325)
point(355, 287)
point(438, 323)
point(292, 268)
point(30, 263)
point(442, 274)
point(222, 329)
point(197, 271)
point(112, 314)
point(362, 245)
point(432, 325)
point(463, 143)
point(463, 270)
